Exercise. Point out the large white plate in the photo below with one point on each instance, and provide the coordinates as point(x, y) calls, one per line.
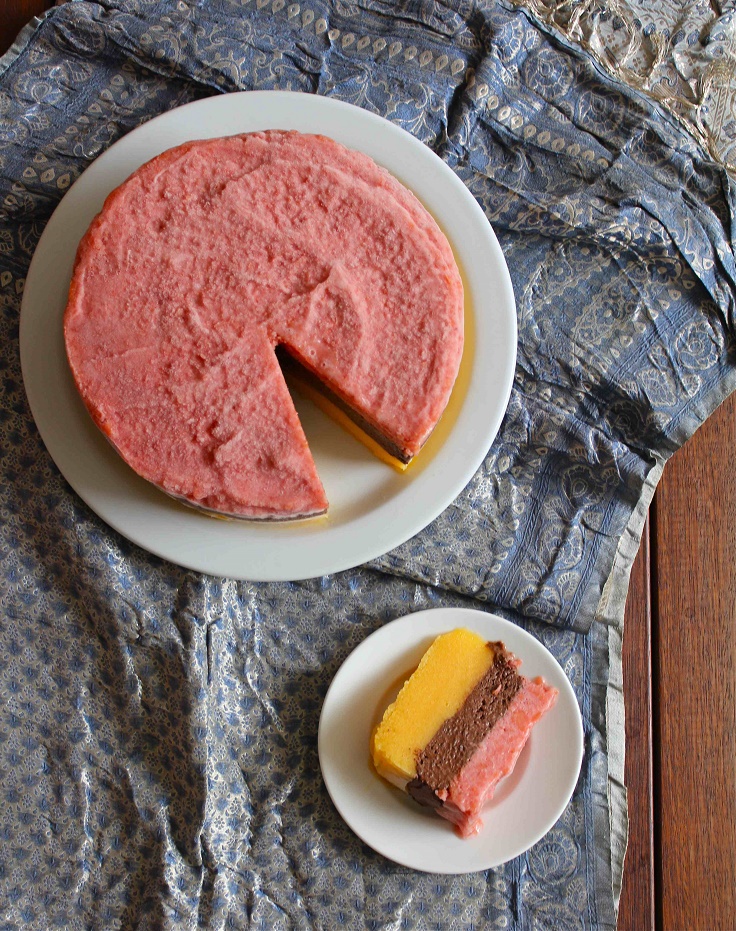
point(373, 508)
point(526, 804)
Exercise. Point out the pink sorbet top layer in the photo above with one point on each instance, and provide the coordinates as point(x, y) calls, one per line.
point(216, 252)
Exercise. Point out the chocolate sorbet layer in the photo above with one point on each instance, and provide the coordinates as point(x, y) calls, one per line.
point(461, 735)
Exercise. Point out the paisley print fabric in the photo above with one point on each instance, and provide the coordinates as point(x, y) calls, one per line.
point(680, 55)
point(158, 728)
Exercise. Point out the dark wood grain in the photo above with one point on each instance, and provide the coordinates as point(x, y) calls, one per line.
point(14, 14)
point(694, 569)
point(636, 908)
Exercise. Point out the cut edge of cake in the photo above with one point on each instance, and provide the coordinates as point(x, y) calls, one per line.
point(337, 408)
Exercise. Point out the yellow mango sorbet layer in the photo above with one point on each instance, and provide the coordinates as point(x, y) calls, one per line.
point(447, 673)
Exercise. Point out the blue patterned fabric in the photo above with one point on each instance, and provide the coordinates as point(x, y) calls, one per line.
point(158, 728)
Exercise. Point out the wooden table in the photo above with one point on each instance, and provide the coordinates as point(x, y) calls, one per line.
point(679, 679)
point(680, 689)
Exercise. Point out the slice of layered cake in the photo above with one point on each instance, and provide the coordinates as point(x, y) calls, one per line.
point(458, 725)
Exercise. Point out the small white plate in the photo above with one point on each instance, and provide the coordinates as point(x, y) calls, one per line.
point(372, 508)
point(526, 804)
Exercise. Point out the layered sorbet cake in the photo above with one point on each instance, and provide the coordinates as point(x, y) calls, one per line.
point(217, 253)
point(458, 725)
